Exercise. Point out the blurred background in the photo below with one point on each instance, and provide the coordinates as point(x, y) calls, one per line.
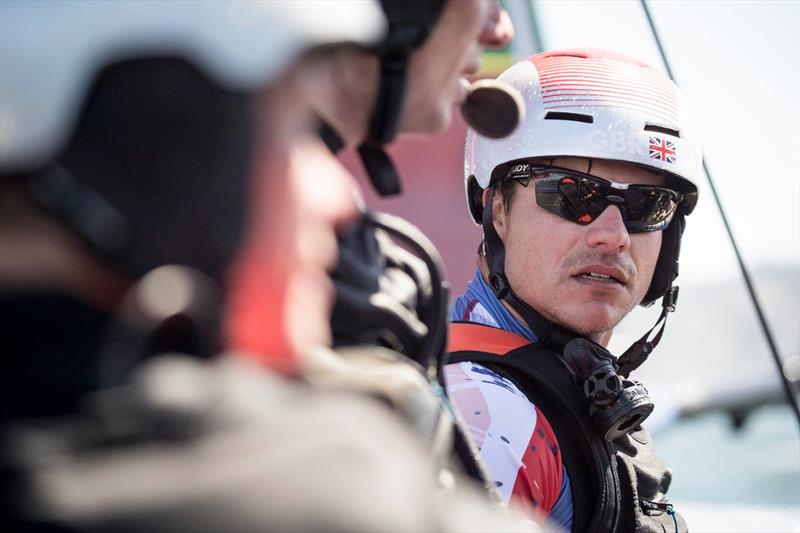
point(721, 420)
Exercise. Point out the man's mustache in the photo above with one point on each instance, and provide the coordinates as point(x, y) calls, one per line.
point(621, 262)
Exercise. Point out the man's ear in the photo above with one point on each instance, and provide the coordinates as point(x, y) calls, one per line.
point(499, 214)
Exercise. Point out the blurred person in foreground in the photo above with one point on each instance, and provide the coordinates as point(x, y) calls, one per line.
point(408, 83)
point(145, 150)
point(582, 210)
point(390, 312)
point(389, 318)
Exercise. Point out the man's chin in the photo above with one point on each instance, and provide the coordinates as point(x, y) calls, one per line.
point(593, 321)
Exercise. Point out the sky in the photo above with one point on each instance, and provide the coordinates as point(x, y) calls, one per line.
point(739, 64)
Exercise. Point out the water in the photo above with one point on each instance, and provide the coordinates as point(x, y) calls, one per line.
point(731, 480)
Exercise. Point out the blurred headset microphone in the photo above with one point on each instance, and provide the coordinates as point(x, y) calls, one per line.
point(492, 108)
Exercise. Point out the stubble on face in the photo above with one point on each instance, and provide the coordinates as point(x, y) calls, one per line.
point(593, 313)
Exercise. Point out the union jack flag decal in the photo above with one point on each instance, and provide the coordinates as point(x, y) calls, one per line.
point(662, 150)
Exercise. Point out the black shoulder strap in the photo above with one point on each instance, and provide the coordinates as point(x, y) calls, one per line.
point(588, 459)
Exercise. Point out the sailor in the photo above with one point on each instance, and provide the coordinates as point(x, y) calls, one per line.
point(386, 299)
point(410, 82)
point(143, 149)
point(582, 210)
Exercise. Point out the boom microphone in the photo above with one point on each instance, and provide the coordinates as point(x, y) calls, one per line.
point(492, 108)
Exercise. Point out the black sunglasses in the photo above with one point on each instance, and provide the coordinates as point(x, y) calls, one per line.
point(581, 198)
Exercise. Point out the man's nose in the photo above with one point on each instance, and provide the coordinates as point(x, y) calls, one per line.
point(608, 231)
point(497, 30)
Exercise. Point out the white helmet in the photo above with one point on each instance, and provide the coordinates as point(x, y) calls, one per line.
point(51, 50)
point(595, 104)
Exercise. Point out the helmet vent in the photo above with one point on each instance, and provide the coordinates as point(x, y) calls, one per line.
point(577, 117)
point(662, 129)
point(574, 53)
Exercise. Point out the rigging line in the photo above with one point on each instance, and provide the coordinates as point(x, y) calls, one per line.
point(745, 274)
point(533, 20)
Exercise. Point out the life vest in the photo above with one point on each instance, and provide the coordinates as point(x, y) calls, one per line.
point(617, 486)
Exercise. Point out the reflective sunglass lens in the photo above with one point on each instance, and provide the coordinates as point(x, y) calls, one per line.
point(582, 199)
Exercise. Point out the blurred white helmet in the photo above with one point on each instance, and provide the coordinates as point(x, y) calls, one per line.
point(50, 52)
point(596, 104)
point(131, 121)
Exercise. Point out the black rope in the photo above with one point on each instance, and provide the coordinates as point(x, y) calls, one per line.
point(745, 274)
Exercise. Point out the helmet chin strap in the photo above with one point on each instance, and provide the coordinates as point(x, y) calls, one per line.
point(379, 166)
point(385, 121)
point(637, 353)
point(547, 333)
point(551, 334)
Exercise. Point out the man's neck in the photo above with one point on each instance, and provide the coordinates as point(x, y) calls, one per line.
point(342, 103)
